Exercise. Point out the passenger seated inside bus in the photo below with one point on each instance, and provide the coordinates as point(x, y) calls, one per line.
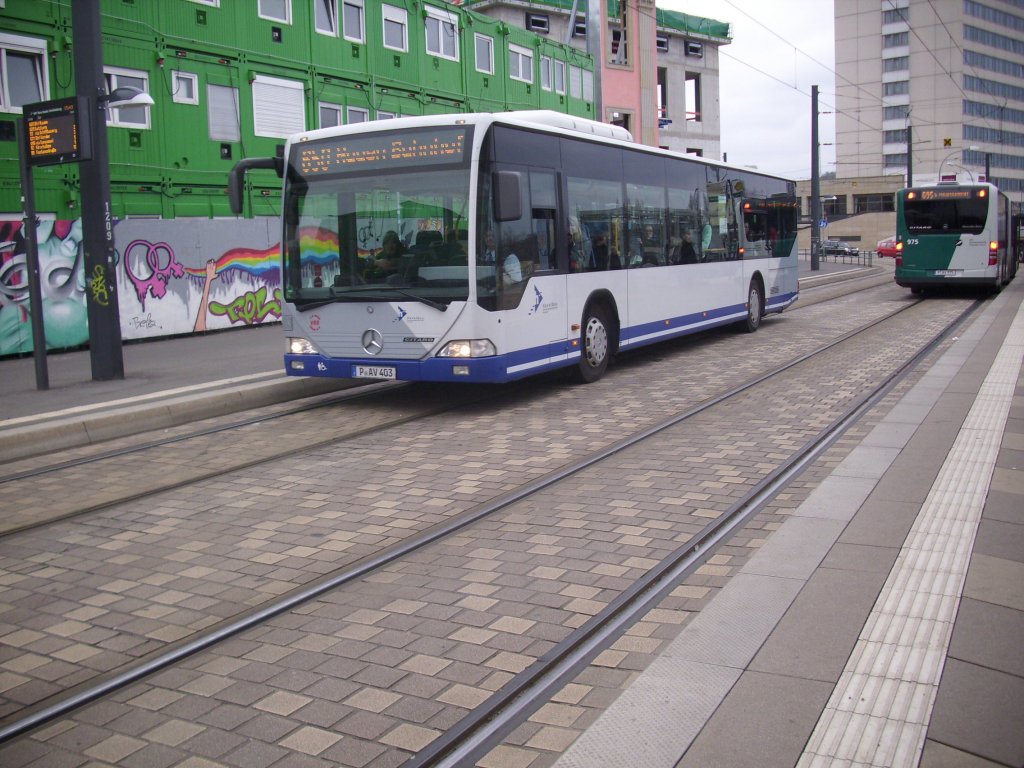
point(686, 253)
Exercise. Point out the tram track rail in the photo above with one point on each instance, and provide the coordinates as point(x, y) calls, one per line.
point(47, 710)
point(222, 428)
point(112, 455)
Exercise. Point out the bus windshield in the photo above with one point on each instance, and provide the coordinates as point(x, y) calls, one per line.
point(945, 215)
point(400, 233)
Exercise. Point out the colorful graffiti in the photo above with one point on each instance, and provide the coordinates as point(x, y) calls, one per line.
point(62, 285)
point(173, 277)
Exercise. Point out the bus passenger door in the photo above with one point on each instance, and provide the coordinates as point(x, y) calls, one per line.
point(529, 283)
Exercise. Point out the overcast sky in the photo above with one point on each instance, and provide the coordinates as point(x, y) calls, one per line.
point(779, 49)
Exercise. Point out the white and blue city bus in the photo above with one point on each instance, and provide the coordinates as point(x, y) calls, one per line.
point(489, 247)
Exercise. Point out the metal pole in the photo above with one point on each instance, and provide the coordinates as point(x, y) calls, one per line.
point(28, 232)
point(572, 23)
point(815, 184)
point(97, 219)
point(988, 167)
point(910, 156)
point(595, 47)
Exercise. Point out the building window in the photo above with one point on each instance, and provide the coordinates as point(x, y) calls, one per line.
point(538, 22)
point(327, 17)
point(23, 72)
point(873, 203)
point(897, 64)
point(545, 72)
point(619, 49)
point(897, 88)
point(276, 10)
point(185, 87)
point(352, 20)
point(693, 97)
point(895, 16)
point(127, 117)
point(559, 77)
point(520, 63)
point(898, 160)
point(213, 3)
point(484, 54)
point(695, 49)
point(381, 115)
point(895, 137)
point(899, 112)
point(661, 43)
point(330, 114)
point(278, 106)
point(222, 117)
point(588, 85)
point(442, 34)
point(575, 82)
point(896, 40)
point(396, 28)
point(662, 94)
point(579, 28)
point(358, 115)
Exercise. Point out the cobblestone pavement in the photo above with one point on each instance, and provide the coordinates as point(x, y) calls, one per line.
point(387, 664)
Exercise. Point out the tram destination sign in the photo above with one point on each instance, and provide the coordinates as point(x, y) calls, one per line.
point(57, 131)
point(391, 150)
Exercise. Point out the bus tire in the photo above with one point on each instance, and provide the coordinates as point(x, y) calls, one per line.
point(755, 307)
point(595, 345)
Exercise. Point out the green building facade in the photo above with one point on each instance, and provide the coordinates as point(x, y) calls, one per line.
point(231, 79)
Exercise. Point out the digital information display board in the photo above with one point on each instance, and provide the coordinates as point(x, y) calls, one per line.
point(948, 194)
point(384, 151)
point(56, 132)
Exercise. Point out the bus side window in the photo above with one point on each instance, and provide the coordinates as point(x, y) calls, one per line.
point(543, 205)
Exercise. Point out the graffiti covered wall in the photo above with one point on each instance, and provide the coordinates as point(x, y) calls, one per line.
point(173, 276)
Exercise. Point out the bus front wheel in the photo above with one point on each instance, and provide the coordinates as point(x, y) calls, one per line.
point(755, 307)
point(595, 350)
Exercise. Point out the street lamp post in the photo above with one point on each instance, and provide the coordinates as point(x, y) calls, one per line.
point(100, 259)
point(947, 158)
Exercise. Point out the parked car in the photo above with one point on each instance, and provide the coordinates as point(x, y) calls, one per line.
point(838, 248)
point(887, 248)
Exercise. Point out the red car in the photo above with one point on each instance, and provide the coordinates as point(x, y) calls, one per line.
point(888, 247)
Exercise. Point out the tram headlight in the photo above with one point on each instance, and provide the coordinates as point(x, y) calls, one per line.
point(468, 348)
point(300, 346)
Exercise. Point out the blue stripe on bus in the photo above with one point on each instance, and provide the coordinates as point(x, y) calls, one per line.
point(523, 362)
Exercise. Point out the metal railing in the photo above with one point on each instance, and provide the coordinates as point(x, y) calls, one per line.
point(863, 258)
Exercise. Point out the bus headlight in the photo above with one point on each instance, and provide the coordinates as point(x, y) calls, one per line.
point(468, 348)
point(299, 346)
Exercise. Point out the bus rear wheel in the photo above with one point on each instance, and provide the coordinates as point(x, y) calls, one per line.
point(755, 307)
point(595, 350)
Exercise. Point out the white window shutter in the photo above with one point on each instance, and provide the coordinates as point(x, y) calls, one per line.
point(222, 103)
point(279, 106)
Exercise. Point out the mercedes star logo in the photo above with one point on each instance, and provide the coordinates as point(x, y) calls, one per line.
point(373, 342)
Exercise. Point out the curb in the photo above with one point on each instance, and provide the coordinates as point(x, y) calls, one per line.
point(54, 434)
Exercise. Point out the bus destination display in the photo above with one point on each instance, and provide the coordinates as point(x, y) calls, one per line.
point(378, 152)
point(947, 194)
point(54, 132)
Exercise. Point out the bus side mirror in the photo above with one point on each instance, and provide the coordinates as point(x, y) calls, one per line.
point(508, 204)
point(236, 177)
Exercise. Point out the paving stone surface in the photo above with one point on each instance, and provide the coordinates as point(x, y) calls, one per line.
point(391, 662)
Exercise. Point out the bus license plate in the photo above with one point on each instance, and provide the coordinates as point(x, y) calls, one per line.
point(373, 372)
point(947, 272)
